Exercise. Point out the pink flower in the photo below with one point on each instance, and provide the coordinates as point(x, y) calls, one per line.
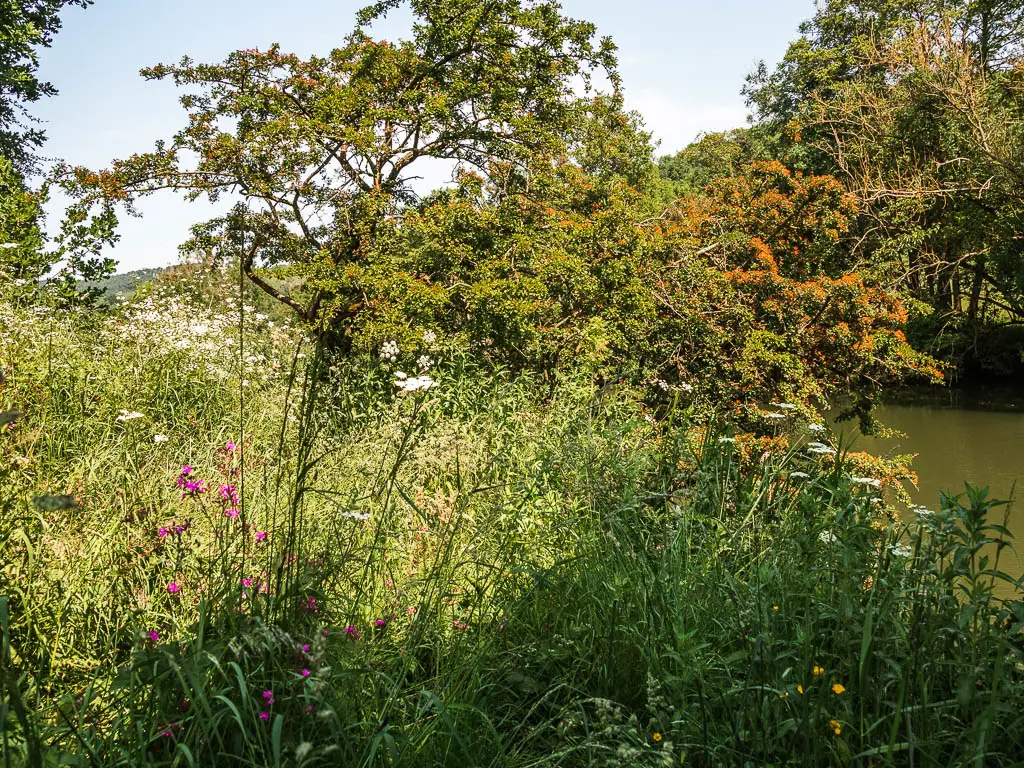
point(232, 512)
point(269, 696)
point(351, 632)
point(264, 716)
point(163, 532)
point(305, 648)
point(305, 673)
point(380, 623)
point(246, 582)
point(261, 535)
point(173, 587)
point(153, 636)
point(230, 445)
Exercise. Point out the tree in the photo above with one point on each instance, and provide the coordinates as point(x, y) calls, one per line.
point(25, 27)
point(322, 150)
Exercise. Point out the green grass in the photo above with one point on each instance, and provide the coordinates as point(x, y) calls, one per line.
point(538, 576)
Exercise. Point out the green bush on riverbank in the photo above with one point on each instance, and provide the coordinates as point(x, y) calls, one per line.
point(469, 569)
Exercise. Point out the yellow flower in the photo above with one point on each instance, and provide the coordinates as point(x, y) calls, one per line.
point(784, 695)
point(817, 671)
point(775, 607)
point(835, 726)
point(800, 689)
point(838, 688)
point(656, 736)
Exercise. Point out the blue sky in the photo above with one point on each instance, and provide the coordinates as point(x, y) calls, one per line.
point(683, 63)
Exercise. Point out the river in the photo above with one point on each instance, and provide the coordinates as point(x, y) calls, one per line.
point(958, 436)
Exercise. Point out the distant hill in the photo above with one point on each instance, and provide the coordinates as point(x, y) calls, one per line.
point(124, 285)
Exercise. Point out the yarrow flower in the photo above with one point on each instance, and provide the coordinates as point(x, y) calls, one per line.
point(159, 438)
point(820, 449)
point(389, 351)
point(429, 337)
point(818, 428)
point(129, 415)
point(798, 476)
point(726, 440)
point(415, 383)
point(866, 481)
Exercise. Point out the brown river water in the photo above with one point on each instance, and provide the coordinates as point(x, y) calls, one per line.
point(960, 437)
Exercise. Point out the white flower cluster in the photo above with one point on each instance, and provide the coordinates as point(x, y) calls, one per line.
point(820, 449)
point(407, 383)
point(429, 337)
point(389, 351)
point(866, 481)
point(130, 415)
point(817, 428)
point(798, 476)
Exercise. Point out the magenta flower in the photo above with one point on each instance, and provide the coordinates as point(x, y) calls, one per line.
point(268, 696)
point(173, 587)
point(305, 673)
point(352, 632)
point(153, 636)
point(261, 535)
point(229, 492)
point(163, 532)
point(380, 623)
point(305, 647)
point(264, 716)
point(246, 582)
point(230, 445)
point(310, 605)
point(233, 512)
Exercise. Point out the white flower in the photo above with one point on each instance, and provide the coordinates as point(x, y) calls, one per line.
point(900, 550)
point(784, 406)
point(724, 440)
point(424, 362)
point(429, 337)
point(401, 375)
point(827, 537)
point(798, 476)
point(820, 448)
point(686, 387)
point(352, 515)
point(774, 415)
point(817, 428)
point(159, 438)
point(867, 481)
point(389, 351)
point(415, 383)
point(129, 415)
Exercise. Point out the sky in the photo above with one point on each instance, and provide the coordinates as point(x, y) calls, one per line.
point(683, 63)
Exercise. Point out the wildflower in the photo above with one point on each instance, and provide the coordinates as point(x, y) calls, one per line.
point(229, 493)
point(774, 415)
point(424, 362)
point(415, 383)
point(817, 428)
point(656, 737)
point(726, 440)
point(163, 532)
point(305, 673)
point(305, 648)
point(784, 695)
point(264, 716)
point(798, 476)
point(429, 337)
point(686, 387)
point(153, 636)
point(800, 690)
point(899, 550)
point(353, 515)
point(827, 537)
point(352, 632)
point(231, 512)
point(866, 481)
point(389, 351)
point(159, 438)
point(380, 623)
point(775, 607)
point(129, 415)
point(817, 671)
point(246, 582)
point(310, 605)
point(838, 688)
point(173, 587)
point(229, 445)
point(835, 726)
point(261, 535)
point(784, 406)
point(268, 696)
point(820, 449)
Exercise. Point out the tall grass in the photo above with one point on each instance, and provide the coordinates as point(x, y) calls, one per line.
point(489, 572)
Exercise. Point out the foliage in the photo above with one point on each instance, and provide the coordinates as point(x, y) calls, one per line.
point(485, 571)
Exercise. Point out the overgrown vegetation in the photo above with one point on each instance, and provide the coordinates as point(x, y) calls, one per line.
point(531, 471)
